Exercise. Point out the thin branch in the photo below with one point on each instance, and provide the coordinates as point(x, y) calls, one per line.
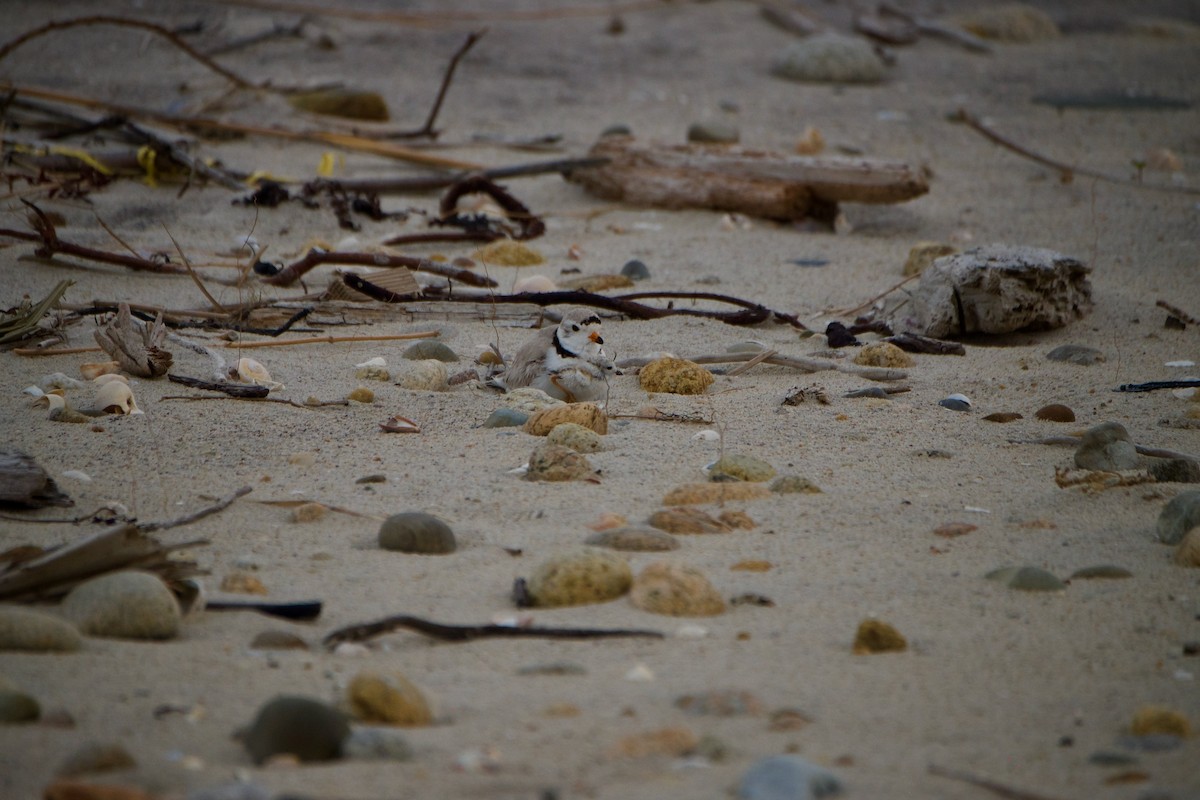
point(846, 312)
point(1073, 441)
point(315, 258)
point(427, 129)
point(50, 27)
point(794, 362)
point(1178, 312)
point(337, 339)
point(753, 362)
point(425, 183)
point(186, 519)
point(192, 273)
point(1067, 171)
point(994, 787)
point(468, 633)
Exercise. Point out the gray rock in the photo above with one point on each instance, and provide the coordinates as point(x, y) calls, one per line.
point(617, 129)
point(1076, 354)
point(635, 270)
point(1175, 470)
point(16, 706)
point(829, 58)
point(787, 778)
point(96, 757)
point(1000, 289)
point(416, 532)
point(124, 605)
point(429, 348)
point(713, 133)
point(1178, 517)
point(306, 728)
point(1106, 446)
point(278, 640)
point(386, 744)
point(638, 538)
point(505, 418)
point(36, 631)
point(1027, 579)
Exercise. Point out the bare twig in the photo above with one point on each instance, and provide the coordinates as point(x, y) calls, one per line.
point(425, 183)
point(427, 129)
point(468, 633)
point(1152, 386)
point(187, 519)
point(1178, 312)
point(50, 27)
point(846, 312)
point(315, 258)
point(1066, 171)
point(249, 391)
point(795, 362)
point(1073, 441)
point(336, 339)
point(994, 787)
point(192, 273)
point(753, 362)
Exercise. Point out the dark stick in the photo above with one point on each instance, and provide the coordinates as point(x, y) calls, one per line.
point(1178, 312)
point(128, 23)
point(1153, 385)
point(424, 183)
point(983, 783)
point(231, 389)
point(314, 258)
point(187, 519)
point(468, 633)
point(427, 128)
point(915, 343)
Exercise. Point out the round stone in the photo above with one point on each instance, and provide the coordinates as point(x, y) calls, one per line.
point(430, 348)
point(716, 132)
point(16, 706)
point(574, 436)
point(741, 467)
point(391, 699)
point(1106, 447)
point(124, 605)
point(580, 577)
point(1076, 354)
point(505, 418)
point(305, 728)
point(36, 632)
point(787, 777)
point(633, 538)
point(1178, 517)
point(1027, 579)
point(829, 58)
point(635, 270)
point(416, 532)
point(382, 744)
point(676, 590)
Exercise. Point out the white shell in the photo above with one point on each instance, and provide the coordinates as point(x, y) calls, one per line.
point(116, 395)
point(33, 391)
point(57, 380)
point(77, 474)
point(377, 361)
point(639, 673)
point(110, 377)
point(1180, 364)
point(706, 436)
point(253, 372)
point(534, 283)
point(962, 398)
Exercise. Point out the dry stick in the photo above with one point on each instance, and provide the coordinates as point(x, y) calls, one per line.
point(795, 362)
point(191, 272)
point(427, 128)
point(426, 183)
point(467, 633)
point(758, 359)
point(56, 351)
point(314, 258)
point(845, 312)
point(129, 23)
point(187, 519)
point(983, 783)
point(336, 339)
point(1067, 170)
point(346, 141)
point(429, 18)
point(308, 406)
point(1073, 441)
point(1178, 312)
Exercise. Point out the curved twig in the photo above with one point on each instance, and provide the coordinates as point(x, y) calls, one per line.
point(467, 633)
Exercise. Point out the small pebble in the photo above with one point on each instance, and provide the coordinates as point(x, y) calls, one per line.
point(741, 467)
point(716, 132)
point(580, 577)
point(124, 605)
point(1028, 579)
point(616, 129)
point(553, 462)
point(96, 757)
point(752, 565)
point(508, 253)
point(574, 436)
point(1107, 758)
point(674, 742)
point(390, 699)
point(794, 484)
point(1055, 412)
point(633, 538)
point(686, 520)
point(787, 777)
point(1160, 720)
point(430, 349)
point(721, 703)
point(635, 270)
point(361, 395)
point(884, 354)
point(675, 590)
point(239, 582)
point(877, 636)
point(698, 493)
point(416, 532)
point(376, 744)
point(16, 706)
point(309, 512)
point(36, 631)
point(305, 728)
point(1003, 416)
point(278, 640)
point(505, 418)
point(1076, 354)
point(956, 402)
point(1106, 447)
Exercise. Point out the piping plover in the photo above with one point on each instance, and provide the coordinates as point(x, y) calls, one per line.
point(566, 362)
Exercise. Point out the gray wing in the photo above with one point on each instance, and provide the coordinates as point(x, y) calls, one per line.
point(527, 362)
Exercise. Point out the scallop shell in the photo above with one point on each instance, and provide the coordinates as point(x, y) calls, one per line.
point(59, 410)
point(398, 424)
point(534, 283)
point(251, 371)
point(110, 377)
point(96, 369)
point(115, 397)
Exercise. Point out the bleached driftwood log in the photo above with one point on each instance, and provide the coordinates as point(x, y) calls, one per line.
point(757, 183)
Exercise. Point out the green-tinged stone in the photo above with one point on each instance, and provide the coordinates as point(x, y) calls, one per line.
point(1027, 579)
point(1178, 517)
point(741, 467)
point(1102, 571)
point(416, 532)
point(430, 348)
point(505, 418)
point(306, 728)
point(17, 706)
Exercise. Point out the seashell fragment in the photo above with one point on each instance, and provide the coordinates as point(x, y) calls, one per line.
point(116, 398)
point(96, 369)
point(534, 284)
point(956, 402)
point(59, 410)
point(110, 377)
point(398, 424)
point(57, 380)
point(251, 371)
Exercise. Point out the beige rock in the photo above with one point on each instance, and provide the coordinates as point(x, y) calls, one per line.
point(574, 436)
point(589, 415)
point(580, 577)
point(683, 519)
point(676, 590)
point(922, 254)
point(675, 376)
point(553, 462)
point(1188, 552)
point(391, 699)
point(883, 354)
point(1015, 22)
point(690, 494)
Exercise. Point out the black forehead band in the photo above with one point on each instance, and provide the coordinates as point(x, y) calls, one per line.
point(592, 320)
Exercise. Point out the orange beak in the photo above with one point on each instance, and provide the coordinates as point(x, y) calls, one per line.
point(595, 337)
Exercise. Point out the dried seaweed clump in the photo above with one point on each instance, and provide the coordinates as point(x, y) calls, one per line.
point(675, 376)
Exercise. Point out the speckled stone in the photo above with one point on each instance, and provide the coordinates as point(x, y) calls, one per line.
point(124, 605)
point(741, 467)
point(416, 532)
point(1179, 516)
point(1106, 447)
point(391, 699)
point(676, 590)
point(36, 631)
point(635, 538)
point(829, 58)
point(574, 436)
point(553, 462)
point(306, 728)
point(580, 577)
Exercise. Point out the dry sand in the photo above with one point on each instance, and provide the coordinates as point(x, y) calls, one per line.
point(1016, 687)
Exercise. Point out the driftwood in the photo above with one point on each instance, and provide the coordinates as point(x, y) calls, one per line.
point(753, 182)
point(137, 347)
point(24, 484)
point(467, 633)
point(794, 362)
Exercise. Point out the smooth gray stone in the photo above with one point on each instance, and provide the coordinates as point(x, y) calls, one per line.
point(36, 631)
point(787, 778)
point(1178, 517)
point(301, 726)
point(1107, 447)
point(1076, 354)
point(416, 532)
point(124, 605)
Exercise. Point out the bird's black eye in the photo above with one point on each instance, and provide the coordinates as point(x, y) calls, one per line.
point(574, 327)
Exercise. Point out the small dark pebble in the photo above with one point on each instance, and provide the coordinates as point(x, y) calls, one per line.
point(416, 532)
point(1174, 323)
point(1066, 741)
point(1102, 571)
point(1003, 416)
point(372, 479)
point(837, 335)
point(934, 453)
point(1107, 758)
point(266, 268)
point(303, 727)
point(1055, 412)
point(808, 262)
point(751, 599)
point(1191, 648)
point(618, 129)
point(1175, 470)
point(16, 706)
point(635, 270)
